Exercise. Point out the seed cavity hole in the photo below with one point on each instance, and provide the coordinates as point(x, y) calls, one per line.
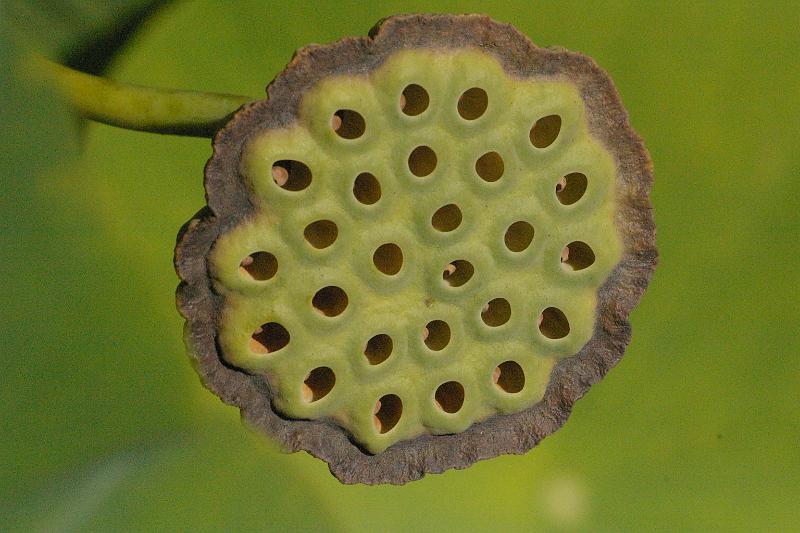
point(458, 272)
point(388, 258)
point(450, 396)
point(436, 335)
point(318, 383)
point(348, 124)
point(472, 103)
point(447, 218)
point(330, 301)
point(519, 236)
point(509, 377)
point(496, 313)
point(378, 349)
point(545, 131)
point(291, 175)
point(414, 100)
point(422, 161)
point(259, 266)
point(553, 323)
point(269, 338)
point(321, 234)
point(571, 188)
point(577, 255)
point(387, 413)
point(367, 188)
point(490, 167)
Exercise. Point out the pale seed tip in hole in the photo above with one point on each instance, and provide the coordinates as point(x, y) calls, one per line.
point(247, 261)
point(565, 254)
point(402, 101)
point(336, 122)
point(307, 393)
point(280, 175)
point(496, 375)
point(425, 333)
point(485, 308)
point(540, 320)
point(561, 184)
point(450, 269)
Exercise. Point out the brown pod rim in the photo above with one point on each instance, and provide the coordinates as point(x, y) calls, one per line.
point(229, 204)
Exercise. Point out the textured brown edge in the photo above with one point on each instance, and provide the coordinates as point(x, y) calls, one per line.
point(229, 203)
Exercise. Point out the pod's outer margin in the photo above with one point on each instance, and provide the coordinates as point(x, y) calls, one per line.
point(229, 203)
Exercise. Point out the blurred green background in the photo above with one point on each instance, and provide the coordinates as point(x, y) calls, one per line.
point(105, 427)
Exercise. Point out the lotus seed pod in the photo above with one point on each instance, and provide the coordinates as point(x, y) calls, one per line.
point(421, 249)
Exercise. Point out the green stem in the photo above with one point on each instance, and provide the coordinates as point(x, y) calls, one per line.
point(142, 108)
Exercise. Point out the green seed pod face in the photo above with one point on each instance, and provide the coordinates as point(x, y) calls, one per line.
point(426, 253)
point(424, 240)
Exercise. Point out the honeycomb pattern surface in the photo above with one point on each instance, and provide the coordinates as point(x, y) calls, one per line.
point(429, 241)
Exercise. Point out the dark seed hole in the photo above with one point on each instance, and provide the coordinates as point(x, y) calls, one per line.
point(422, 161)
point(577, 255)
point(321, 234)
point(519, 236)
point(291, 175)
point(388, 258)
point(436, 335)
point(387, 412)
point(458, 272)
point(260, 266)
point(330, 301)
point(545, 130)
point(509, 377)
point(318, 383)
point(473, 103)
point(571, 188)
point(490, 166)
point(414, 100)
point(367, 189)
point(378, 349)
point(496, 313)
point(269, 338)
point(348, 124)
point(447, 218)
point(553, 323)
point(450, 396)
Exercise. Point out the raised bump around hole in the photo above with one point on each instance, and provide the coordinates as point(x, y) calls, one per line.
point(509, 377)
point(414, 100)
point(472, 103)
point(571, 188)
point(545, 131)
point(321, 234)
point(422, 161)
point(378, 349)
point(291, 175)
point(577, 255)
point(388, 258)
point(387, 412)
point(438, 335)
point(367, 188)
point(348, 124)
point(490, 167)
point(553, 323)
point(269, 338)
point(449, 396)
point(519, 236)
point(447, 218)
point(318, 383)
point(331, 301)
point(458, 272)
point(496, 313)
point(260, 266)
